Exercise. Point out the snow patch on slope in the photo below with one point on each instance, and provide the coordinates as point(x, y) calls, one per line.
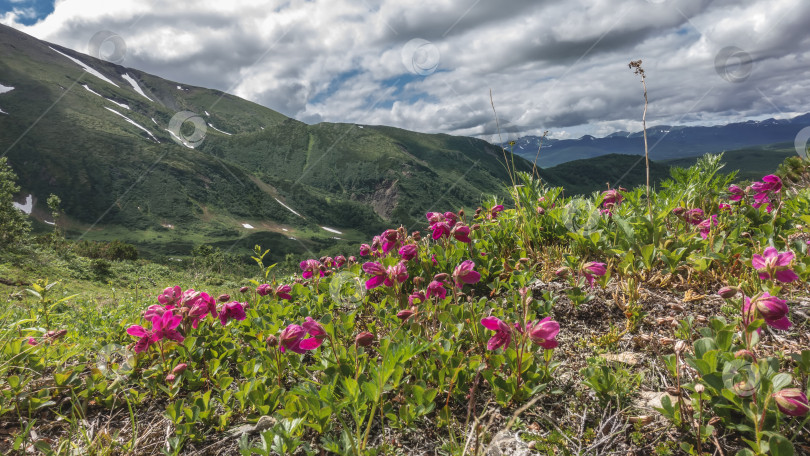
point(135, 85)
point(331, 230)
point(85, 67)
point(111, 101)
point(288, 208)
point(247, 225)
point(217, 129)
point(180, 140)
point(133, 123)
point(4, 89)
point(26, 207)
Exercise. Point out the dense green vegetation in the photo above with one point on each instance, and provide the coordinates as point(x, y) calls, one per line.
point(545, 327)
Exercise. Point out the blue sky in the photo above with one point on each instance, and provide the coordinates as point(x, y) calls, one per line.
point(30, 11)
point(430, 65)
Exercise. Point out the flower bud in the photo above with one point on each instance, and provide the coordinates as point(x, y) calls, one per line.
point(680, 346)
point(461, 213)
point(540, 210)
point(746, 355)
point(244, 290)
point(562, 272)
point(224, 298)
point(418, 281)
point(179, 369)
point(271, 341)
point(792, 402)
point(364, 339)
point(699, 388)
point(728, 292)
point(417, 236)
point(524, 260)
point(441, 277)
point(476, 226)
point(405, 314)
point(53, 335)
point(32, 341)
point(170, 378)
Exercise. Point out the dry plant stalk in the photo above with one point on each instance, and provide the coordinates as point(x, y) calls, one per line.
point(635, 65)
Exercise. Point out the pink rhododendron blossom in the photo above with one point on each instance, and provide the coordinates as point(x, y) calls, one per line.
point(493, 213)
point(610, 199)
point(146, 337)
point(283, 292)
point(416, 298)
point(32, 341)
point(390, 240)
point(315, 330)
point(264, 289)
point(503, 333)
point(693, 216)
point(408, 252)
point(724, 207)
point(544, 332)
point(164, 327)
point(290, 339)
point(706, 226)
point(155, 310)
point(464, 273)
point(310, 267)
point(232, 311)
point(772, 309)
point(433, 260)
point(736, 193)
point(340, 260)
point(171, 296)
point(436, 288)
point(397, 273)
point(591, 270)
point(203, 306)
point(774, 265)
point(377, 272)
point(365, 250)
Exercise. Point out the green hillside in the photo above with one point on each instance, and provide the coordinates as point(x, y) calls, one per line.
point(104, 148)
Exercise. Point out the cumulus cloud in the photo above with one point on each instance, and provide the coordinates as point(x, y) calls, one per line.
point(557, 65)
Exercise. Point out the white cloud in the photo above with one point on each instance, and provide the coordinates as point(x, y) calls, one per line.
point(556, 65)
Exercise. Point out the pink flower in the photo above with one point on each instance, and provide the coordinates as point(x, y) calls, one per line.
point(770, 183)
point(170, 296)
point(396, 273)
point(232, 311)
point(180, 368)
point(340, 260)
point(264, 289)
point(503, 333)
point(408, 252)
point(365, 250)
point(315, 330)
point(377, 272)
point(202, 307)
point(724, 207)
point(493, 213)
point(32, 341)
point(461, 233)
point(706, 226)
point(464, 273)
point(417, 297)
point(792, 402)
point(389, 239)
point(543, 332)
point(283, 292)
point(164, 327)
point(693, 216)
point(146, 338)
point(436, 288)
point(736, 193)
point(610, 198)
point(155, 310)
point(593, 269)
point(310, 267)
point(433, 259)
point(441, 229)
point(290, 339)
point(364, 339)
point(772, 264)
point(772, 309)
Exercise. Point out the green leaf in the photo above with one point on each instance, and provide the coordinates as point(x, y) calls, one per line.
point(780, 381)
point(780, 446)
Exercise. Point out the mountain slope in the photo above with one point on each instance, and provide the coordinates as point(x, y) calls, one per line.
point(97, 134)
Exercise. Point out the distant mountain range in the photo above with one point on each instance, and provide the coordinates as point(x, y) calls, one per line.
point(665, 142)
point(106, 139)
